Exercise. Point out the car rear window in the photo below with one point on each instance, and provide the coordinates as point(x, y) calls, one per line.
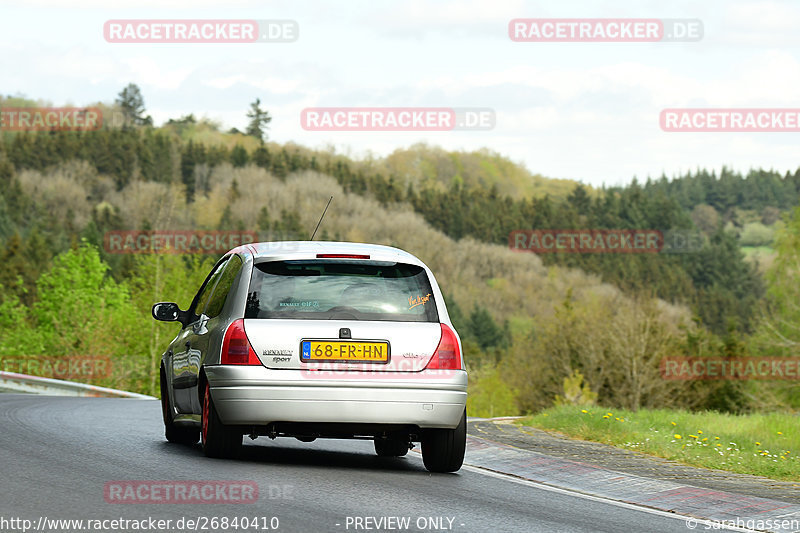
point(341, 290)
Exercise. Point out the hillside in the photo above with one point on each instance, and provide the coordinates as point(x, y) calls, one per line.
point(419, 166)
point(514, 287)
point(528, 321)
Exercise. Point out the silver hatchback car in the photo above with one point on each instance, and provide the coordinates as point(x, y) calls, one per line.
point(317, 340)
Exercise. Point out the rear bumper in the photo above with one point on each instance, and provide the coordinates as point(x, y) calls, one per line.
point(250, 395)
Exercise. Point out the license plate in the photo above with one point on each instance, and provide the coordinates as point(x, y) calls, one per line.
point(352, 351)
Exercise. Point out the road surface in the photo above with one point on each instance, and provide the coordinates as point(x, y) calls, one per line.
point(58, 454)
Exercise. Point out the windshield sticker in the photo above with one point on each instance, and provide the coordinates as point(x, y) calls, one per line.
point(414, 301)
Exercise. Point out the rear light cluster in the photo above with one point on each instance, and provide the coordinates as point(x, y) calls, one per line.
point(236, 348)
point(447, 355)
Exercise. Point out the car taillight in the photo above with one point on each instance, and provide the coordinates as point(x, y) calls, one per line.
point(447, 355)
point(236, 349)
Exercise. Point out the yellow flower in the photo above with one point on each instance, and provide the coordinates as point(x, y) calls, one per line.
point(758, 444)
point(780, 433)
point(584, 411)
point(673, 423)
point(605, 416)
point(716, 438)
point(700, 431)
point(719, 445)
point(622, 420)
point(610, 414)
point(678, 436)
point(693, 436)
point(705, 439)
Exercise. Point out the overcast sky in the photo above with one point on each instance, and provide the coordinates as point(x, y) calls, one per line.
point(586, 111)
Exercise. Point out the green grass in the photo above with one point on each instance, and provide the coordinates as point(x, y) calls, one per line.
point(758, 250)
point(760, 444)
point(764, 255)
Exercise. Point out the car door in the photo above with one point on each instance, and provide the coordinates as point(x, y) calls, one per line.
point(186, 358)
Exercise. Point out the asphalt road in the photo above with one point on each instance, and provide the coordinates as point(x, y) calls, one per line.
point(57, 454)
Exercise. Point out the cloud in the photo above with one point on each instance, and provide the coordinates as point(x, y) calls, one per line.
point(577, 110)
point(762, 23)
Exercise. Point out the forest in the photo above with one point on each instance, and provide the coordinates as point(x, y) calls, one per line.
point(536, 329)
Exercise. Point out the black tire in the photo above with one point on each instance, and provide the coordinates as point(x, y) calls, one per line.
point(443, 449)
point(173, 433)
point(218, 440)
point(391, 447)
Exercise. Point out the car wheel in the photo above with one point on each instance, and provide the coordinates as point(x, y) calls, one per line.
point(391, 447)
point(443, 449)
point(218, 439)
point(173, 433)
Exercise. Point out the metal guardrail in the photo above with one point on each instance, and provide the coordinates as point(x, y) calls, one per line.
point(13, 382)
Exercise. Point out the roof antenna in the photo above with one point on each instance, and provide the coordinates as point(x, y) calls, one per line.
point(320, 219)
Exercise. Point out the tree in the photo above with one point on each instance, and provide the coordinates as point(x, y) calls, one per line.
point(239, 156)
point(782, 321)
point(183, 123)
point(770, 215)
point(262, 157)
point(259, 120)
point(6, 167)
point(580, 200)
point(705, 218)
point(192, 155)
point(756, 234)
point(778, 332)
point(6, 170)
point(131, 101)
point(80, 309)
point(485, 330)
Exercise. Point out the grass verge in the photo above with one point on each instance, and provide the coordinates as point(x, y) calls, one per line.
point(759, 444)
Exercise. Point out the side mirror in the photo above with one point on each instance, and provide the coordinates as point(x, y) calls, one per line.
point(168, 312)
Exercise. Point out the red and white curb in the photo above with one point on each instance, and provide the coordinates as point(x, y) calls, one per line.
point(706, 504)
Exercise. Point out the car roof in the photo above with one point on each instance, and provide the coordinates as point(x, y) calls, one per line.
point(287, 250)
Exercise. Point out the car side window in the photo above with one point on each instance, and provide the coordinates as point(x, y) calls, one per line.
point(220, 295)
point(204, 295)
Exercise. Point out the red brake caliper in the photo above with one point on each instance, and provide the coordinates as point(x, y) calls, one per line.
point(206, 402)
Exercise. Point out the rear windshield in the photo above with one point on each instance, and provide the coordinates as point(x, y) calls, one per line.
point(341, 290)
